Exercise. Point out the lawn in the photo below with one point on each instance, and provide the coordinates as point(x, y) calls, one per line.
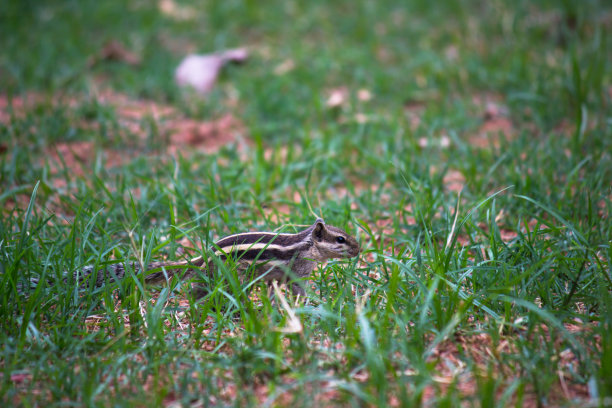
point(467, 145)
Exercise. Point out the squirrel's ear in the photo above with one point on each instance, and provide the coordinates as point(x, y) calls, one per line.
point(317, 231)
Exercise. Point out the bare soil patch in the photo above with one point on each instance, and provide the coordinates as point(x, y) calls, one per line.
point(135, 118)
point(139, 122)
point(495, 122)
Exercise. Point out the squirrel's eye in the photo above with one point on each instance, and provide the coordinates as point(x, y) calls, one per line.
point(341, 240)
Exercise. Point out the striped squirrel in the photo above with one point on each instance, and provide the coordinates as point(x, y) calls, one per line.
point(277, 256)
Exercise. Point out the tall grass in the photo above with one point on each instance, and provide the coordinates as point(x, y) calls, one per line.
point(497, 295)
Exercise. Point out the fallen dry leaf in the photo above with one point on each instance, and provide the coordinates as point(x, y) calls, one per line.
point(284, 67)
point(495, 122)
point(337, 97)
point(201, 71)
point(178, 12)
point(491, 130)
point(507, 235)
point(361, 118)
point(115, 51)
point(451, 53)
point(443, 141)
point(454, 180)
point(494, 110)
point(364, 95)
point(20, 377)
point(414, 110)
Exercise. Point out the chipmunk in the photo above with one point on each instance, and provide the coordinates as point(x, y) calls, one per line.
point(276, 256)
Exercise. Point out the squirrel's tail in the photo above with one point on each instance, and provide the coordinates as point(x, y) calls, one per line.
point(162, 271)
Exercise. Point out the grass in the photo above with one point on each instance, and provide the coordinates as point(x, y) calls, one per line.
point(475, 172)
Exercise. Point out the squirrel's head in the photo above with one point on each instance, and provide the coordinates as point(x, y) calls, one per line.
point(332, 242)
